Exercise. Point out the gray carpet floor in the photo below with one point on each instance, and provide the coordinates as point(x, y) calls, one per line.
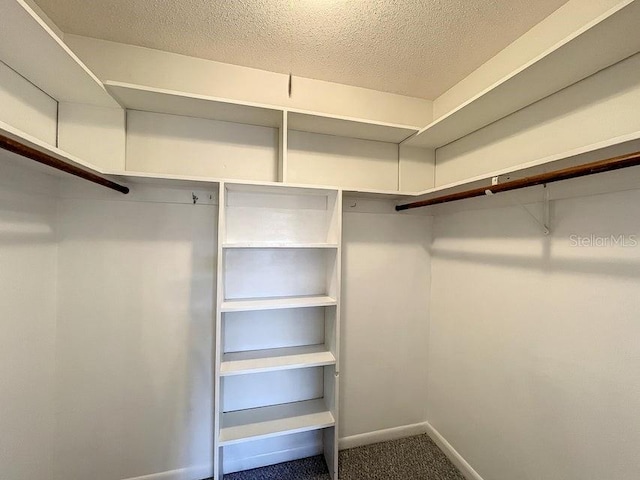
point(413, 458)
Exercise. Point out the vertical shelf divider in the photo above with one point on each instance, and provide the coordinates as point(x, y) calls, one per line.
point(218, 343)
point(332, 335)
point(283, 147)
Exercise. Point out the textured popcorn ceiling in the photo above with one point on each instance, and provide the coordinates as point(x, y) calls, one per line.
point(412, 47)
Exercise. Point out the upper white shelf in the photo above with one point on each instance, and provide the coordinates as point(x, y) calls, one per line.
point(611, 147)
point(284, 245)
point(30, 47)
point(349, 127)
point(607, 40)
point(151, 99)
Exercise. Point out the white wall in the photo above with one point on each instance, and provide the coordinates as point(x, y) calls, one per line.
point(26, 107)
point(533, 359)
point(28, 258)
point(384, 321)
point(94, 134)
point(348, 162)
point(136, 299)
point(173, 144)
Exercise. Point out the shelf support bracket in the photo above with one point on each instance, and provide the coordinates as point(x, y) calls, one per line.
point(542, 223)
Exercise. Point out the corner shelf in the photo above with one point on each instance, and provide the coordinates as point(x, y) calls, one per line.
point(255, 361)
point(607, 40)
point(29, 46)
point(158, 100)
point(273, 421)
point(327, 124)
point(249, 304)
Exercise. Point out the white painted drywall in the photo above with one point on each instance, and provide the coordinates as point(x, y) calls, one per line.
point(173, 144)
point(533, 352)
point(384, 324)
point(351, 163)
point(416, 168)
point(94, 134)
point(136, 299)
point(26, 107)
point(598, 108)
point(28, 262)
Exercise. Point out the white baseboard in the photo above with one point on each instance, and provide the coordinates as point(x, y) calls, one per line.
point(190, 473)
point(461, 464)
point(234, 465)
point(382, 435)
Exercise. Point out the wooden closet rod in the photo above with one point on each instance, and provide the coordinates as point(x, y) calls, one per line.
point(28, 152)
point(601, 166)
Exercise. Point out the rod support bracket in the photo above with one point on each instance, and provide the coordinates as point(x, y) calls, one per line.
point(546, 211)
point(542, 223)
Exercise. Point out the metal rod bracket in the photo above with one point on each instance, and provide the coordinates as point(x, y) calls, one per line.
point(542, 223)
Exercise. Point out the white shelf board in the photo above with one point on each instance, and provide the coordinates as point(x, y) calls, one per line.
point(273, 421)
point(43, 147)
point(603, 42)
point(267, 245)
point(30, 47)
point(248, 304)
point(255, 185)
point(326, 124)
point(524, 168)
point(548, 163)
point(151, 99)
point(239, 363)
point(231, 184)
point(373, 193)
point(276, 187)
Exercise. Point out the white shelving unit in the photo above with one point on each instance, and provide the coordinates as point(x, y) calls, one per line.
point(37, 52)
point(151, 99)
point(277, 323)
point(30, 47)
point(606, 40)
